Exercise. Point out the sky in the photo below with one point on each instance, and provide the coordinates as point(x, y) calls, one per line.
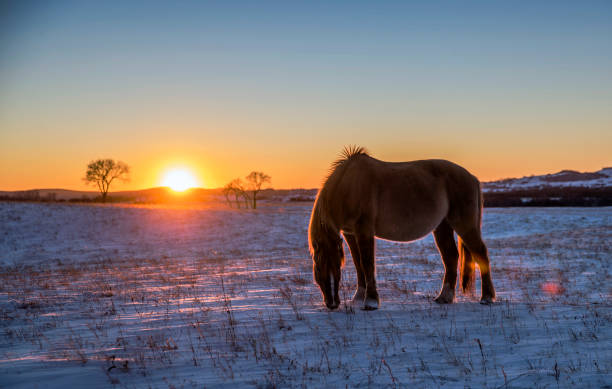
point(505, 89)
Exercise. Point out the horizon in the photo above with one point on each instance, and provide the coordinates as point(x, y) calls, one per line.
point(221, 90)
point(179, 192)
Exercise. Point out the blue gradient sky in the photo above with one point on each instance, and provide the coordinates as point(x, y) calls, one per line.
point(505, 89)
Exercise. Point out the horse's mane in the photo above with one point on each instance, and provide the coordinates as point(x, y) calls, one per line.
point(319, 219)
point(347, 153)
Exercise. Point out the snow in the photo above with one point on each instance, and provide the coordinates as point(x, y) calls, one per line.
point(131, 296)
point(563, 179)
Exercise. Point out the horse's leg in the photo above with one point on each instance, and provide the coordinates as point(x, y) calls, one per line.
point(361, 283)
point(366, 255)
point(473, 241)
point(445, 240)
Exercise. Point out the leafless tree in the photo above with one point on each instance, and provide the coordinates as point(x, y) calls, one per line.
point(255, 181)
point(102, 172)
point(236, 189)
point(245, 191)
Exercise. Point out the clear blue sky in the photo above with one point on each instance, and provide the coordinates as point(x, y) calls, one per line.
point(504, 88)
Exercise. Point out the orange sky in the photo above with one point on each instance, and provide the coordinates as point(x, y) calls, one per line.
point(222, 90)
point(303, 162)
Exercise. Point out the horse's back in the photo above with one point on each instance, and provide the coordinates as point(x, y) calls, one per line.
point(404, 201)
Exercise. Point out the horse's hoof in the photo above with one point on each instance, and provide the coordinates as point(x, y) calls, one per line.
point(444, 299)
point(446, 296)
point(332, 307)
point(358, 296)
point(487, 300)
point(370, 304)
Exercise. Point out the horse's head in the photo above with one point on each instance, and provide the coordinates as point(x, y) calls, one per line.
point(328, 257)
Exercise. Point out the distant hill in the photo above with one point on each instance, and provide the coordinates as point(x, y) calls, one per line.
point(565, 188)
point(152, 195)
point(565, 178)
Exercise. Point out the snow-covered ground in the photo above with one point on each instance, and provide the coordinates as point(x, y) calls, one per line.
point(125, 296)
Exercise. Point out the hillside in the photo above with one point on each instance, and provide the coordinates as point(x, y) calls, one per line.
point(565, 188)
point(563, 179)
point(152, 195)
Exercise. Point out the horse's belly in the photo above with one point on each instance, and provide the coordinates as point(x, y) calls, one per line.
point(410, 223)
point(405, 232)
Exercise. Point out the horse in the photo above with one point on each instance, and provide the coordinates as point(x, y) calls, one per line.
point(364, 198)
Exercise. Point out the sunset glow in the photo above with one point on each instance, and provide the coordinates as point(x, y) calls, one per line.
point(505, 91)
point(179, 180)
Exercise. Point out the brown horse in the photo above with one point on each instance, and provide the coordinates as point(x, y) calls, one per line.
point(364, 198)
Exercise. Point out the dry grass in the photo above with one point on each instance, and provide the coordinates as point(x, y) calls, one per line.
point(260, 322)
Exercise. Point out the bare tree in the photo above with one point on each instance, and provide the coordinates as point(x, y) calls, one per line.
point(236, 189)
point(246, 192)
point(255, 181)
point(102, 172)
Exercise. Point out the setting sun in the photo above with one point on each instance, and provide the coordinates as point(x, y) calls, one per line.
point(179, 180)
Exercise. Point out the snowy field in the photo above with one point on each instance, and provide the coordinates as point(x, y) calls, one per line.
point(124, 296)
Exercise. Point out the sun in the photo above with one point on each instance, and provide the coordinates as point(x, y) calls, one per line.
point(179, 180)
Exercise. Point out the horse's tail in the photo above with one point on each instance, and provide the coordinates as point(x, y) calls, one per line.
point(466, 260)
point(466, 266)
